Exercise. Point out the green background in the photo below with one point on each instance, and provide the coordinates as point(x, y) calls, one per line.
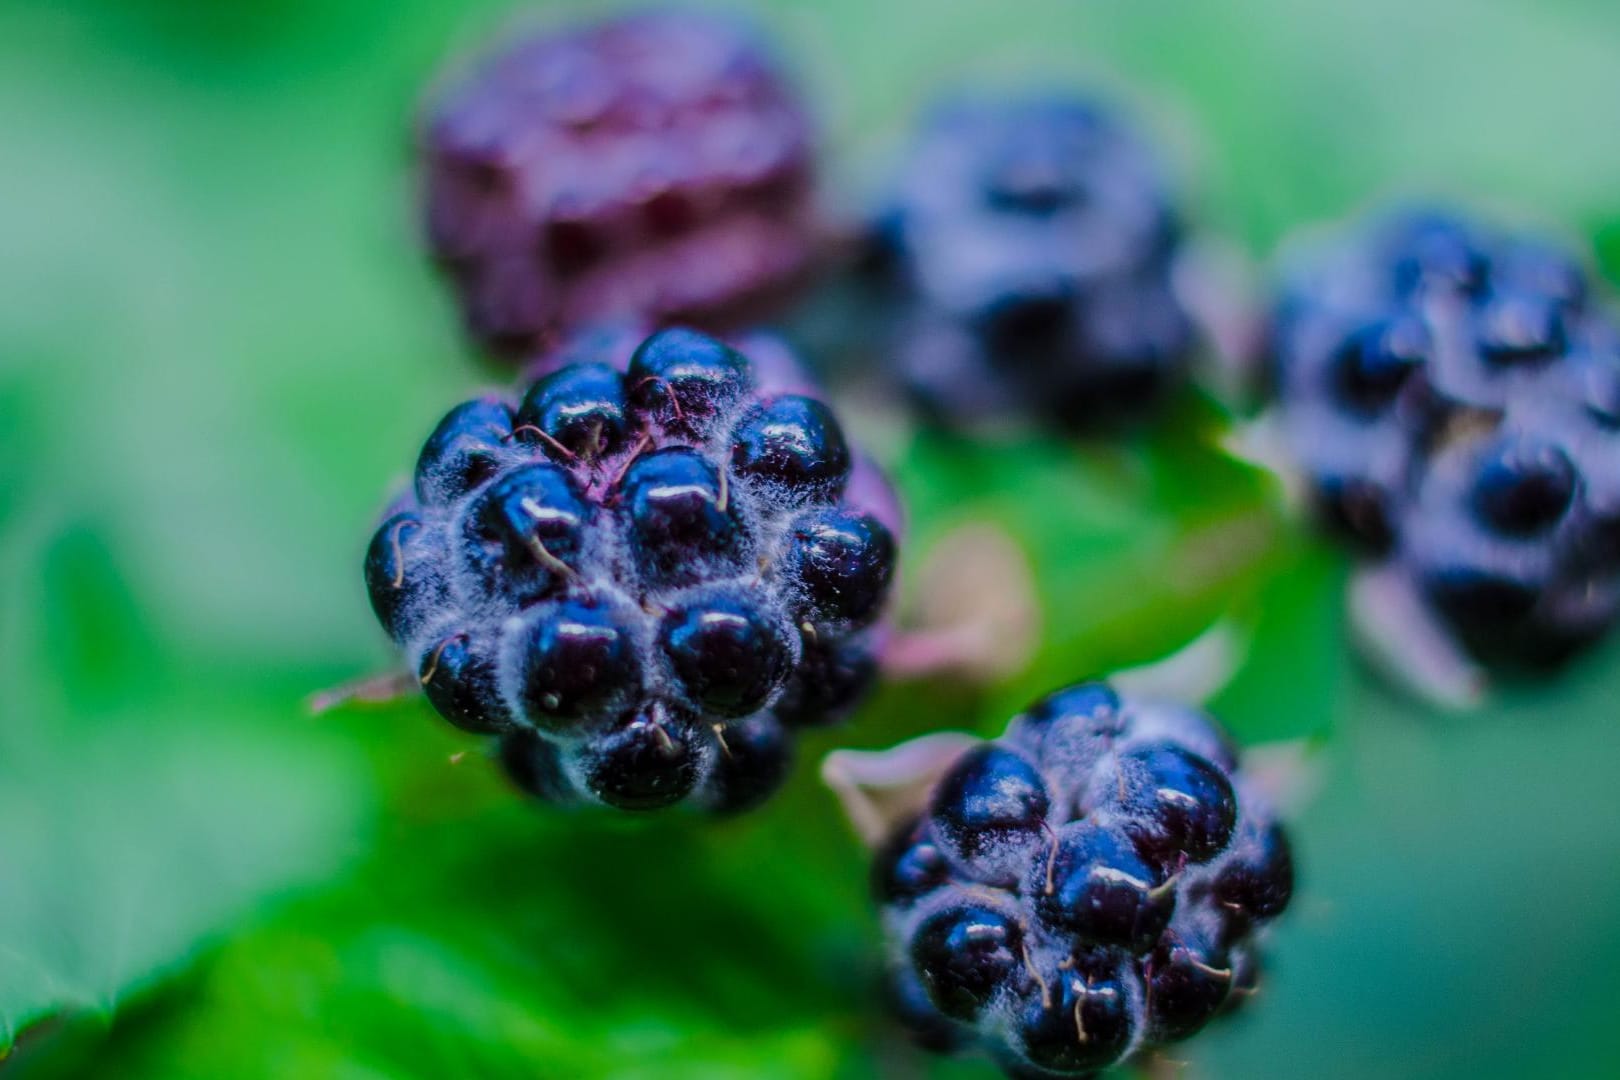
point(218, 348)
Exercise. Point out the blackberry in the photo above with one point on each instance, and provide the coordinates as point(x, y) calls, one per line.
point(1086, 887)
point(1448, 390)
point(1028, 245)
point(596, 572)
point(655, 165)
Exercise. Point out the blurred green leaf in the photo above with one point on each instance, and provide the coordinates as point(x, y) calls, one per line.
point(1298, 669)
point(138, 819)
point(126, 850)
point(500, 940)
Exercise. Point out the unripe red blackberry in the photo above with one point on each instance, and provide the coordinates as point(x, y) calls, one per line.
point(643, 572)
point(1085, 887)
point(655, 165)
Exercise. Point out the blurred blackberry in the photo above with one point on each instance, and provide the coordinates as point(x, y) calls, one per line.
point(1453, 394)
point(637, 572)
point(1028, 245)
point(655, 165)
point(1085, 887)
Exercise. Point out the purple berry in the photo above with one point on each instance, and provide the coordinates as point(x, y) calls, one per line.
point(654, 165)
point(576, 662)
point(595, 568)
point(1095, 885)
point(909, 866)
point(992, 799)
point(843, 562)
point(1026, 252)
point(461, 681)
point(728, 657)
point(1080, 1022)
point(753, 761)
point(1451, 393)
point(964, 953)
point(682, 524)
point(1187, 983)
point(578, 412)
point(463, 451)
point(649, 761)
point(1086, 887)
point(1178, 802)
point(793, 447)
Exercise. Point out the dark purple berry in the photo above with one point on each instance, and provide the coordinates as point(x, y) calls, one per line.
point(527, 531)
point(397, 574)
point(727, 655)
point(1026, 252)
point(1524, 486)
point(844, 562)
point(1093, 883)
point(649, 761)
point(928, 1027)
point(752, 764)
point(992, 797)
point(1177, 803)
point(578, 412)
point(576, 662)
point(461, 682)
point(909, 865)
point(794, 446)
point(1081, 1021)
point(1067, 948)
point(1465, 593)
point(1257, 883)
point(1377, 361)
point(1435, 250)
point(682, 523)
point(963, 954)
point(1517, 328)
point(683, 378)
point(612, 589)
point(1186, 987)
point(832, 676)
point(1081, 719)
point(1093, 704)
point(1029, 321)
point(1358, 508)
point(464, 450)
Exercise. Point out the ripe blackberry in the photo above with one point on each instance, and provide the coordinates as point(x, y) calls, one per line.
point(654, 165)
point(643, 573)
point(1450, 393)
point(1087, 886)
point(1029, 245)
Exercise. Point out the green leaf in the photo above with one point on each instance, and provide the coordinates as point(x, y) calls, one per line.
point(137, 823)
point(1297, 668)
point(1135, 546)
point(126, 851)
point(505, 940)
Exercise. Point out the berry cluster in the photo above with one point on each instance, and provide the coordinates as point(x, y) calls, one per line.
point(643, 574)
point(1454, 398)
point(654, 165)
point(1029, 246)
point(1084, 887)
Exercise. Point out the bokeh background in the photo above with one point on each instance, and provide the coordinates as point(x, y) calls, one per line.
point(219, 347)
